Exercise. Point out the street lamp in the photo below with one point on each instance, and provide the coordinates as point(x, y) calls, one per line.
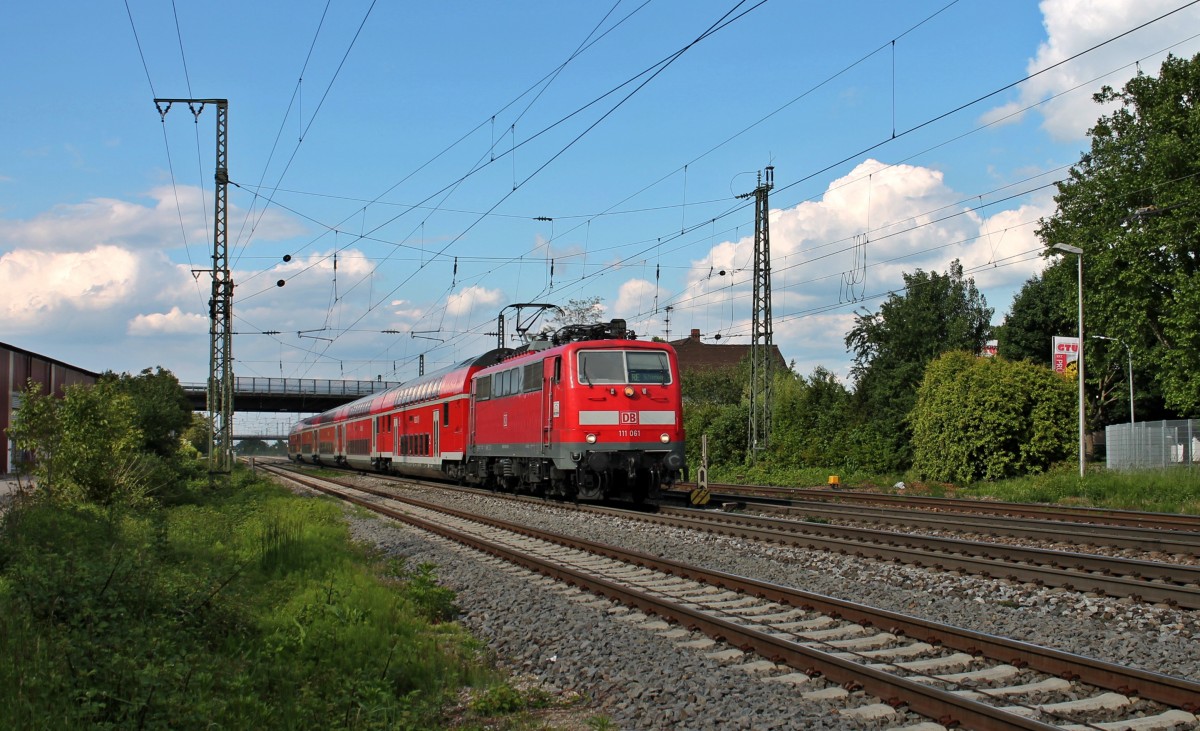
point(1129, 354)
point(1078, 252)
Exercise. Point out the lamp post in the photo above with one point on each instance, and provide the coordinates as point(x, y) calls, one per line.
point(1129, 355)
point(1079, 252)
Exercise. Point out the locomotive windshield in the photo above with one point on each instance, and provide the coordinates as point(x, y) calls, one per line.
point(623, 366)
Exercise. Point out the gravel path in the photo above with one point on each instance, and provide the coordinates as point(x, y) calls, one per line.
point(642, 680)
point(9, 487)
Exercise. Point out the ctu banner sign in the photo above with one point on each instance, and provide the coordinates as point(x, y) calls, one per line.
point(1065, 352)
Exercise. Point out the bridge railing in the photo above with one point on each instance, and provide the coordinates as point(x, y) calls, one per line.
point(300, 386)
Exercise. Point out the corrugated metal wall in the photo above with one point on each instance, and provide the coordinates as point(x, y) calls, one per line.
point(17, 368)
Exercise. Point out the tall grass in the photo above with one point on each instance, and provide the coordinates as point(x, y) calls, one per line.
point(765, 473)
point(244, 607)
point(1175, 490)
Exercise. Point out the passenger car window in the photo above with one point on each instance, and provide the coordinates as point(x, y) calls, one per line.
point(533, 377)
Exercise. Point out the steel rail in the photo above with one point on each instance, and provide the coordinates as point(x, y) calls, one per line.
point(1180, 584)
point(1105, 516)
point(1116, 536)
point(1182, 574)
point(1169, 690)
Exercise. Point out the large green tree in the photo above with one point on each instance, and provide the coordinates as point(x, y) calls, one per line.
point(1041, 309)
point(934, 313)
point(715, 404)
point(161, 408)
point(1131, 204)
point(810, 420)
point(1047, 306)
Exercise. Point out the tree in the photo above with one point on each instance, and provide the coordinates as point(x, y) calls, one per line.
point(990, 419)
point(811, 416)
point(933, 314)
point(1132, 204)
point(714, 403)
point(585, 311)
point(252, 447)
point(162, 411)
point(1039, 311)
point(197, 434)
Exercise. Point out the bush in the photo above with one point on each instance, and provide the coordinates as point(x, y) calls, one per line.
point(989, 419)
point(86, 446)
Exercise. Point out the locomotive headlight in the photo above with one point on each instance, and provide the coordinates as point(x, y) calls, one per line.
point(664, 437)
point(629, 391)
point(591, 438)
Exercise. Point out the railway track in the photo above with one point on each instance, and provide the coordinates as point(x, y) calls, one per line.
point(1150, 581)
point(1154, 582)
point(1062, 513)
point(1133, 538)
point(952, 675)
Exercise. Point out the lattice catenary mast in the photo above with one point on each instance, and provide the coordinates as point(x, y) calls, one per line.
point(762, 340)
point(220, 305)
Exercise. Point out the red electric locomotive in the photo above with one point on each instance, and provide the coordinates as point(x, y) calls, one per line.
point(589, 412)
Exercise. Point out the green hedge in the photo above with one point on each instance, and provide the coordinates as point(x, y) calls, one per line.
point(990, 419)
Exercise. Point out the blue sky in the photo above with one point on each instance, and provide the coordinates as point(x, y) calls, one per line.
point(385, 133)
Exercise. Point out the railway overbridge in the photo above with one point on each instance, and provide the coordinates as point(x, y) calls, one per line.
point(293, 395)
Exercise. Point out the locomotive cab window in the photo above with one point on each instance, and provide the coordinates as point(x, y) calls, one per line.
point(648, 367)
point(601, 366)
point(618, 366)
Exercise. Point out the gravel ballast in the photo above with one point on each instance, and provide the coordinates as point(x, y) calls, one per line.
point(642, 680)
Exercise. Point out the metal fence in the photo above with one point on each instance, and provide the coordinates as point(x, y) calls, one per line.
point(1153, 445)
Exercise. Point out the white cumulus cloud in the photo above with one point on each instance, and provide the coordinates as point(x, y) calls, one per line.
point(38, 286)
point(467, 300)
point(1074, 26)
point(847, 250)
point(636, 297)
point(164, 224)
point(168, 323)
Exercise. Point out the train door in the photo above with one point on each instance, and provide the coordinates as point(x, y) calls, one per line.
point(551, 393)
point(395, 438)
point(340, 440)
point(436, 450)
point(471, 418)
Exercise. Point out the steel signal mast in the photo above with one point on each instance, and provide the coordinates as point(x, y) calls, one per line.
point(762, 340)
point(220, 305)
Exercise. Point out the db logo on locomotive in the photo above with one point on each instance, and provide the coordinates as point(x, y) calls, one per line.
point(629, 417)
